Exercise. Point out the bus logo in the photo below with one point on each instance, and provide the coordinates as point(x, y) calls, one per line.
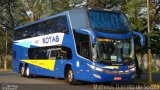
point(119, 59)
point(50, 39)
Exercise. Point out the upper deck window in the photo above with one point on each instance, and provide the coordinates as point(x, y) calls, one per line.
point(58, 24)
point(107, 20)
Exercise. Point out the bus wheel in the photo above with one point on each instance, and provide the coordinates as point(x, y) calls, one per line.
point(28, 72)
point(70, 77)
point(22, 71)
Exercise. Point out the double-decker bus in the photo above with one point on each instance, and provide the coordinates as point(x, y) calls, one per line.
point(85, 44)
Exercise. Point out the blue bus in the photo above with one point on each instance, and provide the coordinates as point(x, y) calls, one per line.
point(86, 44)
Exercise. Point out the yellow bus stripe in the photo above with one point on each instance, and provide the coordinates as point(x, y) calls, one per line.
point(112, 67)
point(46, 64)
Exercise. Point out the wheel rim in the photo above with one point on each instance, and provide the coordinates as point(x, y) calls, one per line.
point(22, 70)
point(70, 75)
point(27, 71)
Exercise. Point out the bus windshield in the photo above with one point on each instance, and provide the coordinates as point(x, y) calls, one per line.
point(105, 20)
point(113, 50)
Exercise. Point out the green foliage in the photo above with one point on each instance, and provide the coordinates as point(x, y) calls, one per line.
point(136, 15)
point(105, 3)
point(18, 12)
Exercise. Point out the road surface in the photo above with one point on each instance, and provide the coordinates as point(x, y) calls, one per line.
point(14, 81)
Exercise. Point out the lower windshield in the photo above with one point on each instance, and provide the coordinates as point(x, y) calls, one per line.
point(113, 50)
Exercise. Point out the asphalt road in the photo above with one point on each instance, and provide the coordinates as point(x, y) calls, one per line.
point(14, 81)
point(13, 77)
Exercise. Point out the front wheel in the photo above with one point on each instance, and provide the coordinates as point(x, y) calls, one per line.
point(70, 77)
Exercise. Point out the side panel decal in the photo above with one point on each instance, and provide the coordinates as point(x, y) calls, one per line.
point(46, 64)
point(42, 41)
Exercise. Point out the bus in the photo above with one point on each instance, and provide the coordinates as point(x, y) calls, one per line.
point(82, 44)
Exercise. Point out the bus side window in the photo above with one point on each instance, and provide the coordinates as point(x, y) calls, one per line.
point(41, 29)
point(84, 49)
point(58, 54)
point(25, 33)
point(18, 34)
point(66, 53)
point(61, 24)
point(53, 55)
point(82, 44)
point(32, 30)
point(51, 26)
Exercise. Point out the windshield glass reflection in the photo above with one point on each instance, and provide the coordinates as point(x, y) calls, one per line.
point(113, 50)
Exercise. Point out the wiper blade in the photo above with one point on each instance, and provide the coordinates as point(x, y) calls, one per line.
point(101, 29)
point(106, 60)
point(103, 60)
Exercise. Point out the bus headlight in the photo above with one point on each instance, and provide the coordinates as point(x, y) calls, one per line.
point(99, 69)
point(131, 66)
point(97, 76)
point(133, 69)
point(95, 68)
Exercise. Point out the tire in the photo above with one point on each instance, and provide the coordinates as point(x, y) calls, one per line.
point(28, 72)
point(22, 71)
point(70, 77)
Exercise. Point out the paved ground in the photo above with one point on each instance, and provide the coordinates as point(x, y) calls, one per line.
point(13, 81)
point(13, 77)
point(155, 77)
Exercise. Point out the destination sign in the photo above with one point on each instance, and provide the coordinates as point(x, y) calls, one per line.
point(104, 40)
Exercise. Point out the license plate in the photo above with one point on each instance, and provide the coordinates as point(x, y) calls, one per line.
point(117, 78)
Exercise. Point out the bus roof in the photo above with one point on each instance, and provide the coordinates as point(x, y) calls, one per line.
point(72, 14)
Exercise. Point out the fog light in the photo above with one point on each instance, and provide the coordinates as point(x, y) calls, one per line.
point(97, 76)
point(126, 71)
point(133, 69)
point(133, 76)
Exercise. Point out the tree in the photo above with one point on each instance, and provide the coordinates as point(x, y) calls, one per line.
point(6, 22)
point(6, 14)
point(155, 17)
point(34, 8)
point(105, 3)
point(135, 11)
point(57, 6)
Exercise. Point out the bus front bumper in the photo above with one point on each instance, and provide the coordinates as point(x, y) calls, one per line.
point(104, 77)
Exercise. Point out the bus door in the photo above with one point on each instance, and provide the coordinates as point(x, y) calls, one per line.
point(56, 55)
point(84, 51)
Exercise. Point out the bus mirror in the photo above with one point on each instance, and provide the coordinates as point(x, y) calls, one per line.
point(141, 36)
